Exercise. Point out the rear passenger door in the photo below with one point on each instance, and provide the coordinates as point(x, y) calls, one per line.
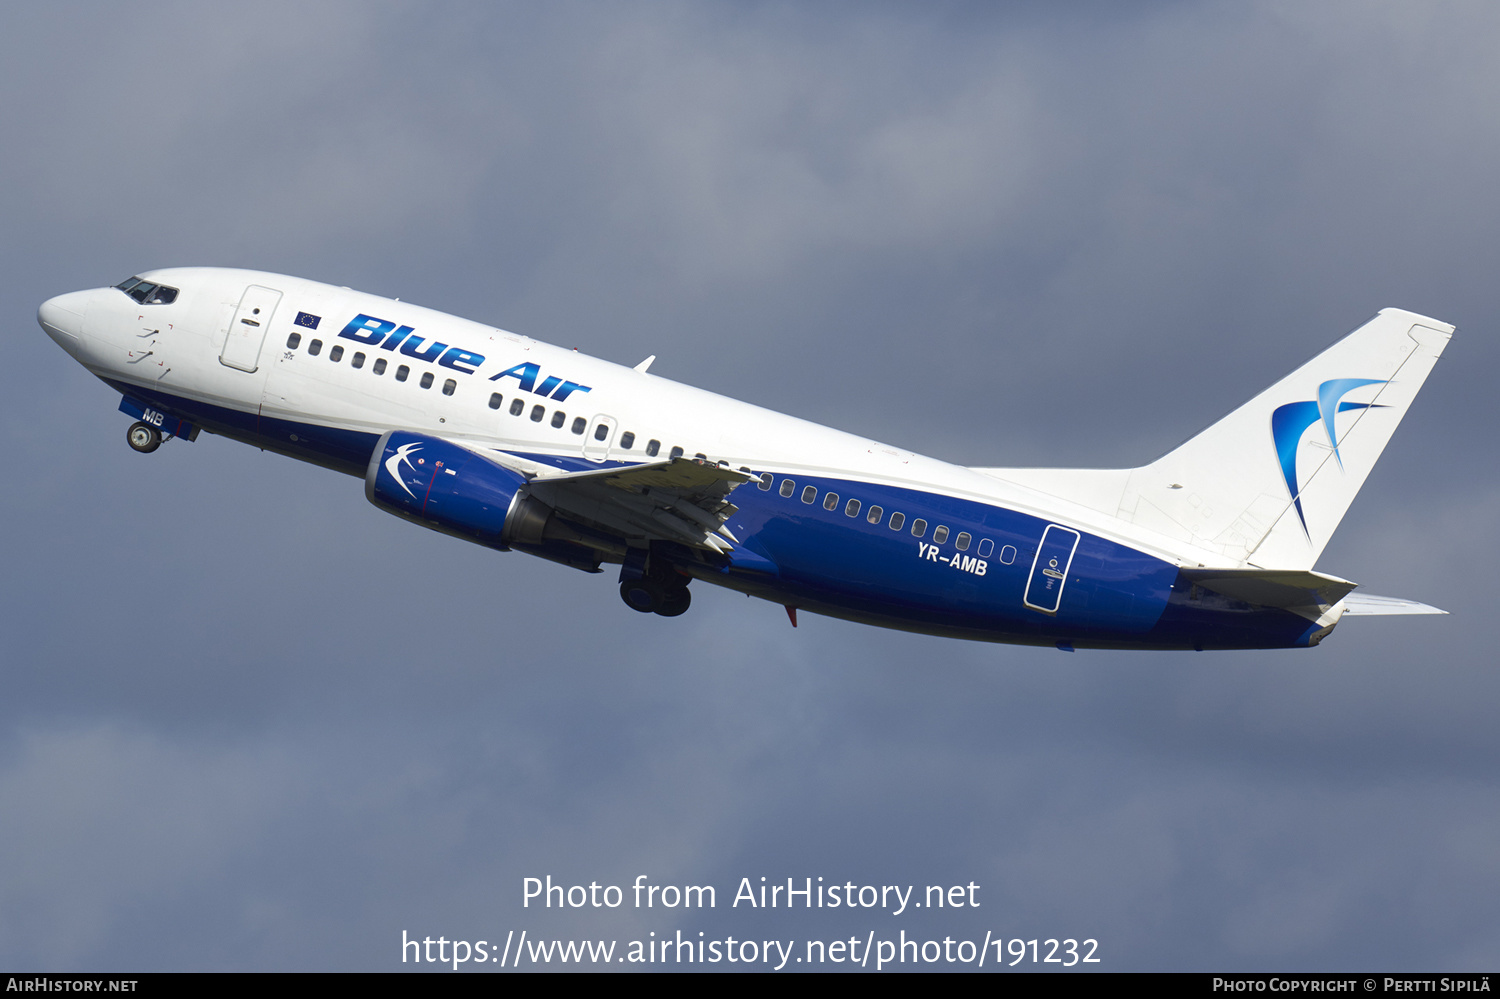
point(1049, 571)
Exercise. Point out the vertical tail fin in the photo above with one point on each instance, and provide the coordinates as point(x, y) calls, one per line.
point(1268, 484)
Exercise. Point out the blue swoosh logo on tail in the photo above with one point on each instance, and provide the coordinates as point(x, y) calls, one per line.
point(1290, 421)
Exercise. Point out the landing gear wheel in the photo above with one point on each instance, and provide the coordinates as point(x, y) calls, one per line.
point(675, 602)
point(143, 437)
point(644, 595)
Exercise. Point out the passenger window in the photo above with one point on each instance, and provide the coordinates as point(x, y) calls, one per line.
point(336, 353)
point(358, 360)
point(765, 481)
point(315, 347)
point(788, 487)
point(427, 379)
point(676, 453)
point(918, 527)
point(579, 425)
point(653, 448)
point(293, 340)
point(1007, 555)
point(537, 412)
point(939, 534)
point(516, 405)
point(830, 500)
point(809, 493)
point(962, 541)
point(897, 519)
point(874, 515)
point(601, 432)
point(379, 366)
point(558, 419)
point(986, 548)
point(627, 440)
point(448, 386)
point(402, 372)
point(851, 508)
point(495, 400)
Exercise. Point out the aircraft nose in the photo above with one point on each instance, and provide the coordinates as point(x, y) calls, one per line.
point(63, 316)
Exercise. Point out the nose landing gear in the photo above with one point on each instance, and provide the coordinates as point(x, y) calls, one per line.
point(143, 437)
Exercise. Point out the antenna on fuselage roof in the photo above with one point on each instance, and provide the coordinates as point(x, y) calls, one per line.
point(645, 364)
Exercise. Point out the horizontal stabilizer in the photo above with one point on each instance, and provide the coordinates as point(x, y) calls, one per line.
point(1274, 587)
point(1369, 605)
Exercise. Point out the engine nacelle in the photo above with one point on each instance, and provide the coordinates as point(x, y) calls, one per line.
point(448, 488)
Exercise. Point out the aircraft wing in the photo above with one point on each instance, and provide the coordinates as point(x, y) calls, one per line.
point(680, 499)
point(687, 474)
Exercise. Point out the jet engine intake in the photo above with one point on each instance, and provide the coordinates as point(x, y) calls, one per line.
point(448, 488)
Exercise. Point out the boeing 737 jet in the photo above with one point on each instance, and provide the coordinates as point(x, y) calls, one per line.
point(517, 445)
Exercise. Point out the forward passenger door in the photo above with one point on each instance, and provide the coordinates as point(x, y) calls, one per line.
point(248, 327)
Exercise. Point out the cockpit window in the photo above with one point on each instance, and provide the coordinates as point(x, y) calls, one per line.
point(147, 293)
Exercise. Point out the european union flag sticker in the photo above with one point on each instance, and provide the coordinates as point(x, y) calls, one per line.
point(308, 319)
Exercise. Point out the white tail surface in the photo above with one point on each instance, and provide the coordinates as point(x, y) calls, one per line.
point(1267, 485)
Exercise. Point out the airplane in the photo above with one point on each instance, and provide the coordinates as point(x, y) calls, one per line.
point(501, 440)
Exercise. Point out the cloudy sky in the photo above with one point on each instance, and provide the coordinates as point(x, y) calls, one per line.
point(251, 722)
